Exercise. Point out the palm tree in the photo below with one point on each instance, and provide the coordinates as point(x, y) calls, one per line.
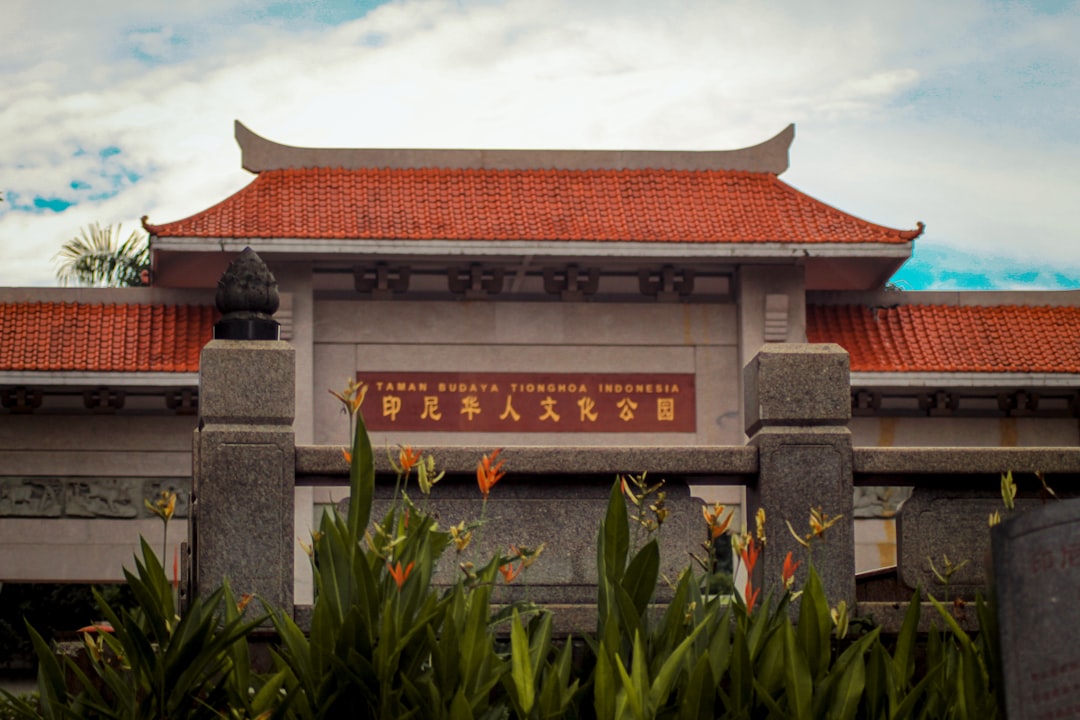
point(97, 258)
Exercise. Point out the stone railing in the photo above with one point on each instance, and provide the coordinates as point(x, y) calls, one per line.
point(799, 455)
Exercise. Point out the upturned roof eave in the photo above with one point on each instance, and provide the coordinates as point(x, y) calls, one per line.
point(148, 379)
point(259, 154)
point(773, 249)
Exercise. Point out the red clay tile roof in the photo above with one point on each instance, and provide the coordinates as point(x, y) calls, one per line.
point(945, 338)
point(704, 206)
point(54, 337)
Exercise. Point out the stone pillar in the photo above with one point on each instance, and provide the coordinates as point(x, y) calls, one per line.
point(242, 490)
point(797, 409)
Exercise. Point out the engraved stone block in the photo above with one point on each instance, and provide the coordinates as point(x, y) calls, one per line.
point(1037, 573)
point(103, 497)
point(30, 497)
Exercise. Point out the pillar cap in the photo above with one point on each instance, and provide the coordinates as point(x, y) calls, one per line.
point(247, 298)
point(797, 385)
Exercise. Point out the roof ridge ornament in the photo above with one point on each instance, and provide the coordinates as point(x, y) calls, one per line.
point(259, 154)
point(247, 298)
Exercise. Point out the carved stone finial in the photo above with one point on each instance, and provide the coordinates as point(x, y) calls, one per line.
point(247, 298)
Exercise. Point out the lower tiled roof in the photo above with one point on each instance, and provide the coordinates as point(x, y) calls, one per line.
point(648, 205)
point(947, 338)
point(76, 337)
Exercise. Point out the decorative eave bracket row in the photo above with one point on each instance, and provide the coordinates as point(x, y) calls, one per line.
point(571, 283)
point(24, 400)
point(1058, 402)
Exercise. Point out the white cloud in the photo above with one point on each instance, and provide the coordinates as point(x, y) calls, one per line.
point(891, 101)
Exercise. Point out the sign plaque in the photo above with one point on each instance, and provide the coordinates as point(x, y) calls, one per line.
point(530, 402)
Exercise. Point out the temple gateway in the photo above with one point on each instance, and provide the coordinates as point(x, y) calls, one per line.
point(502, 298)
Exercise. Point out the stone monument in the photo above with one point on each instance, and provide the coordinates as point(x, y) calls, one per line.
point(1037, 583)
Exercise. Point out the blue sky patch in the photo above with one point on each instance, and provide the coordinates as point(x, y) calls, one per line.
point(945, 268)
point(57, 205)
point(156, 45)
point(321, 12)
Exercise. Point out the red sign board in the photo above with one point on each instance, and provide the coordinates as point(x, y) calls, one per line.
point(529, 402)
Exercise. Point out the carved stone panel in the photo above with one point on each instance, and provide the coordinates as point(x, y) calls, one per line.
point(103, 497)
point(31, 497)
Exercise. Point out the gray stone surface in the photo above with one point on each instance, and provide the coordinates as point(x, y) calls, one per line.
point(243, 381)
point(914, 462)
point(1036, 559)
point(800, 471)
point(563, 515)
point(737, 461)
point(244, 454)
point(243, 519)
point(799, 427)
point(935, 523)
point(798, 385)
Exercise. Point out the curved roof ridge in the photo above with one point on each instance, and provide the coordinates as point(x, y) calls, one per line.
point(259, 154)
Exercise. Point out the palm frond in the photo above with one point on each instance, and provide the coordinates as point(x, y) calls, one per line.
point(97, 258)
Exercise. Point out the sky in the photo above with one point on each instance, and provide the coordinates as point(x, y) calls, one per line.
point(960, 114)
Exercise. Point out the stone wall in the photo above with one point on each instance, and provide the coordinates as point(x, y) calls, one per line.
point(72, 492)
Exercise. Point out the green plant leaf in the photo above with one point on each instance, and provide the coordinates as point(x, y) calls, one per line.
point(641, 575)
point(605, 684)
point(664, 682)
point(460, 709)
point(761, 693)
point(697, 699)
point(522, 667)
point(815, 626)
point(799, 683)
point(904, 657)
point(848, 689)
point(614, 537)
point(361, 481)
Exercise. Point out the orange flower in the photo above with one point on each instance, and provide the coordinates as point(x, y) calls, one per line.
point(717, 526)
point(242, 603)
point(164, 507)
point(487, 473)
point(788, 572)
point(352, 397)
point(408, 458)
point(98, 627)
point(509, 573)
point(347, 454)
point(749, 554)
point(751, 597)
point(398, 574)
point(820, 522)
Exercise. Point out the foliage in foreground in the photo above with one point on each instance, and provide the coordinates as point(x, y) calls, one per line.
point(384, 642)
